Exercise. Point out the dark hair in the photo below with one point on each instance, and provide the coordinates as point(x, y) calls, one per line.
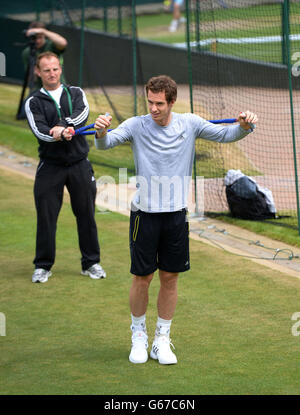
point(34, 25)
point(163, 83)
point(48, 55)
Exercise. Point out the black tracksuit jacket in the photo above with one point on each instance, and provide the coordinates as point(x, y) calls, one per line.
point(65, 161)
point(42, 115)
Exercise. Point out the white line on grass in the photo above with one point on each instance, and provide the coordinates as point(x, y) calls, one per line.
point(240, 40)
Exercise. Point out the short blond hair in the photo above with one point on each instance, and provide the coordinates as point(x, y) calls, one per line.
point(45, 55)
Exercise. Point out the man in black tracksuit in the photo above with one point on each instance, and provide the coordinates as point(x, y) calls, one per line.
point(53, 112)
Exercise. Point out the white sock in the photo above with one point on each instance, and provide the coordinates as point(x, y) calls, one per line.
point(163, 327)
point(138, 323)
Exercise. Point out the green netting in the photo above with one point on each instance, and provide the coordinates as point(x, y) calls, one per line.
point(253, 36)
point(237, 60)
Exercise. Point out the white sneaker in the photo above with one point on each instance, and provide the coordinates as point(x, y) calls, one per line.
point(95, 271)
point(41, 275)
point(173, 26)
point(139, 346)
point(162, 352)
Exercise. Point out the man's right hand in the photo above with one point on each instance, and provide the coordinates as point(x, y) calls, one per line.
point(58, 133)
point(35, 31)
point(101, 124)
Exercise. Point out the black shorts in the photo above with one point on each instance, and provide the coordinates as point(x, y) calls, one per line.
point(159, 241)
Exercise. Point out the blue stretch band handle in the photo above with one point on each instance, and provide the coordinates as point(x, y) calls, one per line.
point(224, 121)
point(87, 132)
point(82, 130)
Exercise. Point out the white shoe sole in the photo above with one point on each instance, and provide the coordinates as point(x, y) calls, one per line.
point(45, 280)
point(155, 357)
point(91, 275)
point(138, 361)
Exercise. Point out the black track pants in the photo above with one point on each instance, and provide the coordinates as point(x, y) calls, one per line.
point(48, 193)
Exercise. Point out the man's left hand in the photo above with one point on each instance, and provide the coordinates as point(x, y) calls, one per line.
point(68, 133)
point(246, 119)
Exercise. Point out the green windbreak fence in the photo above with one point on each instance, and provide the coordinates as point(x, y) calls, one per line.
point(18, 7)
point(228, 56)
point(102, 45)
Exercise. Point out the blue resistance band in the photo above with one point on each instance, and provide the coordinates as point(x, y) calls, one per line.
point(83, 130)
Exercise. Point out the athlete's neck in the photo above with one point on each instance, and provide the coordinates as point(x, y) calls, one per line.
point(165, 122)
point(55, 88)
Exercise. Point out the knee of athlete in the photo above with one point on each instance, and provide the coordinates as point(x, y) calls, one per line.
point(143, 281)
point(169, 281)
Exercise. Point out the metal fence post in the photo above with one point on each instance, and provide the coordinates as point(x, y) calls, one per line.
point(134, 60)
point(105, 18)
point(190, 69)
point(197, 25)
point(38, 10)
point(289, 69)
point(119, 18)
point(81, 44)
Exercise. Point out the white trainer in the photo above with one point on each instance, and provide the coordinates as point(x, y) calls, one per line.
point(139, 346)
point(173, 26)
point(41, 275)
point(161, 350)
point(96, 272)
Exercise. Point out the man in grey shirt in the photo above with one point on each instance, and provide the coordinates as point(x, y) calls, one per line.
point(163, 144)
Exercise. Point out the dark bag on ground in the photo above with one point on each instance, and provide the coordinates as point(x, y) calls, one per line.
point(245, 201)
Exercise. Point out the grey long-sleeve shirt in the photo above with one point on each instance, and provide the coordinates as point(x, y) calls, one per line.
point(164, 156)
